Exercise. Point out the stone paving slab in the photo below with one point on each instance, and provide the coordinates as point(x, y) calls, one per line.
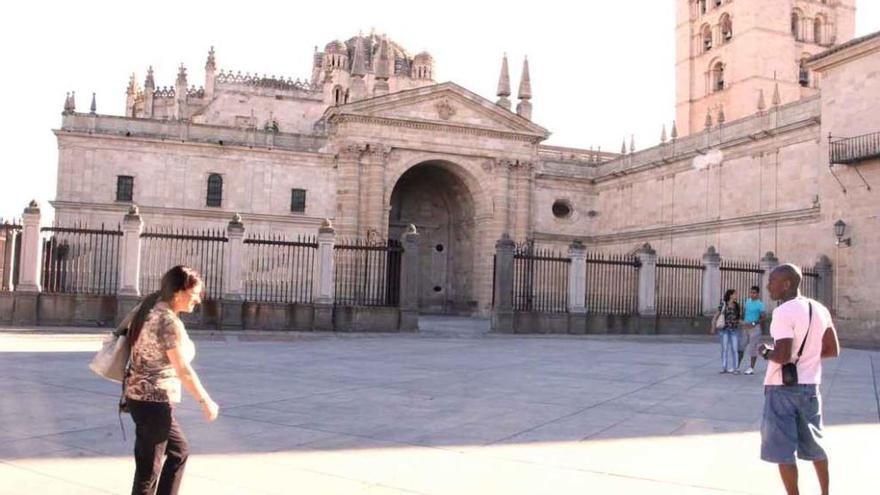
point(451, 411)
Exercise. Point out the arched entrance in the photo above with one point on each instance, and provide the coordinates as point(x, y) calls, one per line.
point(434, 198)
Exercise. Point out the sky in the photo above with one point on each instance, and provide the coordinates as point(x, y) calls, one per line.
point(600, 70)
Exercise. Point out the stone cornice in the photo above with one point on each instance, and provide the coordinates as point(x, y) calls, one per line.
point(788, 216)
point(427, 125)
point(187, 213)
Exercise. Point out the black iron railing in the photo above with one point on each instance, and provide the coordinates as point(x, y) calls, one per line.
point(810, 282)
point(10, 253)
point(279, 270)
point(540, 280)
point(80, 260)
point(367, 273)
point(612, 283)
point(679, 289)
point(852, 150)
point(162, 249)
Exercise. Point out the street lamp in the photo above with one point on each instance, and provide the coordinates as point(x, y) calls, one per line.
point(839, 232)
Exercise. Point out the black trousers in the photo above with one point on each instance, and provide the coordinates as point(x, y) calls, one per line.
point(160, 449)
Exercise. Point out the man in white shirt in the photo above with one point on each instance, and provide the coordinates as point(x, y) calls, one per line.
point(792, 423)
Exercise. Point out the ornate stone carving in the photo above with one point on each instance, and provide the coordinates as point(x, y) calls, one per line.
point(445, 109)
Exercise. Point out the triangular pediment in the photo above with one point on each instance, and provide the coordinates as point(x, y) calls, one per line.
point(441, 104)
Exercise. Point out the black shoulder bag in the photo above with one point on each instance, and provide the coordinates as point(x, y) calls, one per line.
point(789, 371)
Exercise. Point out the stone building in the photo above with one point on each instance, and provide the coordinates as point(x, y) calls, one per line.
point(373, 143)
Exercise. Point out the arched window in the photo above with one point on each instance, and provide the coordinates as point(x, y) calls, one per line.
point(718, 76)
point(817, 31)
point(338, 95)
point(803, 73)
point(702, 6)
point(726, 28)
point(796, 25)
point(215, 190)
point(706, 37)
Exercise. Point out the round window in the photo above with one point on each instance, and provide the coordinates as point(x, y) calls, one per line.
point(562, 209)
point(439, 248)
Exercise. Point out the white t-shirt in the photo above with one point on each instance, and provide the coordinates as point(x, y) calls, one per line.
point(790, 322)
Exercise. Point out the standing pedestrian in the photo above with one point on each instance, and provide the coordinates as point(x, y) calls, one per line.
point(753, 317)
point(729, 310)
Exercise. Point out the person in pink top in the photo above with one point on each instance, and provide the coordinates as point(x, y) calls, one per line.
point(803, 334)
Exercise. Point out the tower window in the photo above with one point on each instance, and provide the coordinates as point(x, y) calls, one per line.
point(707, 38)
point(796, 25)
point(298, 200)
point(338, 95)
point(817, 31)
point(726, 29)
point(215, 190)
point(124, 187)
point(702, 6)
point(718, 76)
point(804, 75)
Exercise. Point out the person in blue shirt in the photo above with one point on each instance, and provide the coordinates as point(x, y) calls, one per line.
point(751, 326)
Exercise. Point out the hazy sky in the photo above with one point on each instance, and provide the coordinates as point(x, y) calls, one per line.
point(600, 70)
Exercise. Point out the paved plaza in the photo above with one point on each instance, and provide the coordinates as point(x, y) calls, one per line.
point(449, 411)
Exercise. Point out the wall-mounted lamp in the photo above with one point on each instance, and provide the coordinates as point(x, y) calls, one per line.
point(839, 232)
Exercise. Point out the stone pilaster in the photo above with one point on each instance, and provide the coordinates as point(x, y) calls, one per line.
point(348, 191)
point(577, 278)
point(323, 283)
point(768, 263)
point(647, 281)
point(409, 280)
point(502, 313)
point(130, 259)
point(233, 262)
point(9, 239)
point(31, 250)
point(711, 281)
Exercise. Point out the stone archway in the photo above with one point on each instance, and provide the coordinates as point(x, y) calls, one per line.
point(436, 199)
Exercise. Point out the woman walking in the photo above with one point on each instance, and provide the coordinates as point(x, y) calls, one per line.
point(161, 352)
point(729, 309)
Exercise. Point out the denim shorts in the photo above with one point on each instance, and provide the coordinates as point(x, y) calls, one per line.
point(792, 424)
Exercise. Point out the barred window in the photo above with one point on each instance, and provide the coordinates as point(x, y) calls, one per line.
point(215, 190)
point(298, 200)
point(124, 187)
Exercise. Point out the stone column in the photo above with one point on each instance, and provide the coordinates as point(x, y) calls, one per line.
point(31, 250)
point(409, 280)
point(323, 283)
point(647, 280)
point(577, 278)
point(768, 263)
point(711, 281)
point(130, 259)
point(10, 239)
point(502, 313)
point(824, 292)
point(232, 305)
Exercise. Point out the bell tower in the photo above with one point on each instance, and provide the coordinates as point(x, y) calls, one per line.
point(730, 53)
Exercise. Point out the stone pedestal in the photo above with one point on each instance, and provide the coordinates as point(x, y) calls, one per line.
point(409, 281)
point(711, 281)
point(130, 257)
point(577, 278)
point(233, 261)
point(647, 280)
point(502, 314)
point(768, 263)
point(31, 250)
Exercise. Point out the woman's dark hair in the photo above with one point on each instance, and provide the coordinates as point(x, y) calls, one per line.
point(728, 293)
point(175, 280)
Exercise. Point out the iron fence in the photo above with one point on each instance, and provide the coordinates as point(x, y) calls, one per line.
point(810, 282)
point(279, 270)
point(367, 273)
point(612, 283)
point(679, 289)
point(740, 276)
point(540, 280)
point(163, 248)
point(80, 260)
point(10, 254)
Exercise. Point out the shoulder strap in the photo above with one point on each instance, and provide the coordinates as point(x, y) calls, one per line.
point(809, 324)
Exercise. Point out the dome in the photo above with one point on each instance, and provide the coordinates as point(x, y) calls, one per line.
point(423, 58)
point(336, 47)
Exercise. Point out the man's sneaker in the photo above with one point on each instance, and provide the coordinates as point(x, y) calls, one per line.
point(735, 372)
point(749, 371)
point(723, 371)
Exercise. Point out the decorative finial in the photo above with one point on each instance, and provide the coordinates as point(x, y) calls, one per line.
point(66, 109)
point(525, 83)
point(761, 104)
point(132, 85)
point(72, 101)
point(149, 82)
point(133, 210)
point(181, 75)
point(623, 147)
point(663, 135)
point(674, 131)
point(93, 108)
point(503, 85)
point(632, 143)
point(411, 229)
point(777, 100)
point(236, 218)
point(33, 204)
point(211, 63)
point(358, 65)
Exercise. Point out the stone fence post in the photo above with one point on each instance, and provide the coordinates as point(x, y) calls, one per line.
point(323, 283)
point(130, 258)
point(768, 263)
point(233, 261)
point(825, 288)
point(9, 239)
point(647, 281)
point(711, 281)
point(502, 313)
point(577, 278)
point(31, 250)
point(409, 280)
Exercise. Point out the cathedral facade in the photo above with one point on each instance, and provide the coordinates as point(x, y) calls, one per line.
point(373, 143)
